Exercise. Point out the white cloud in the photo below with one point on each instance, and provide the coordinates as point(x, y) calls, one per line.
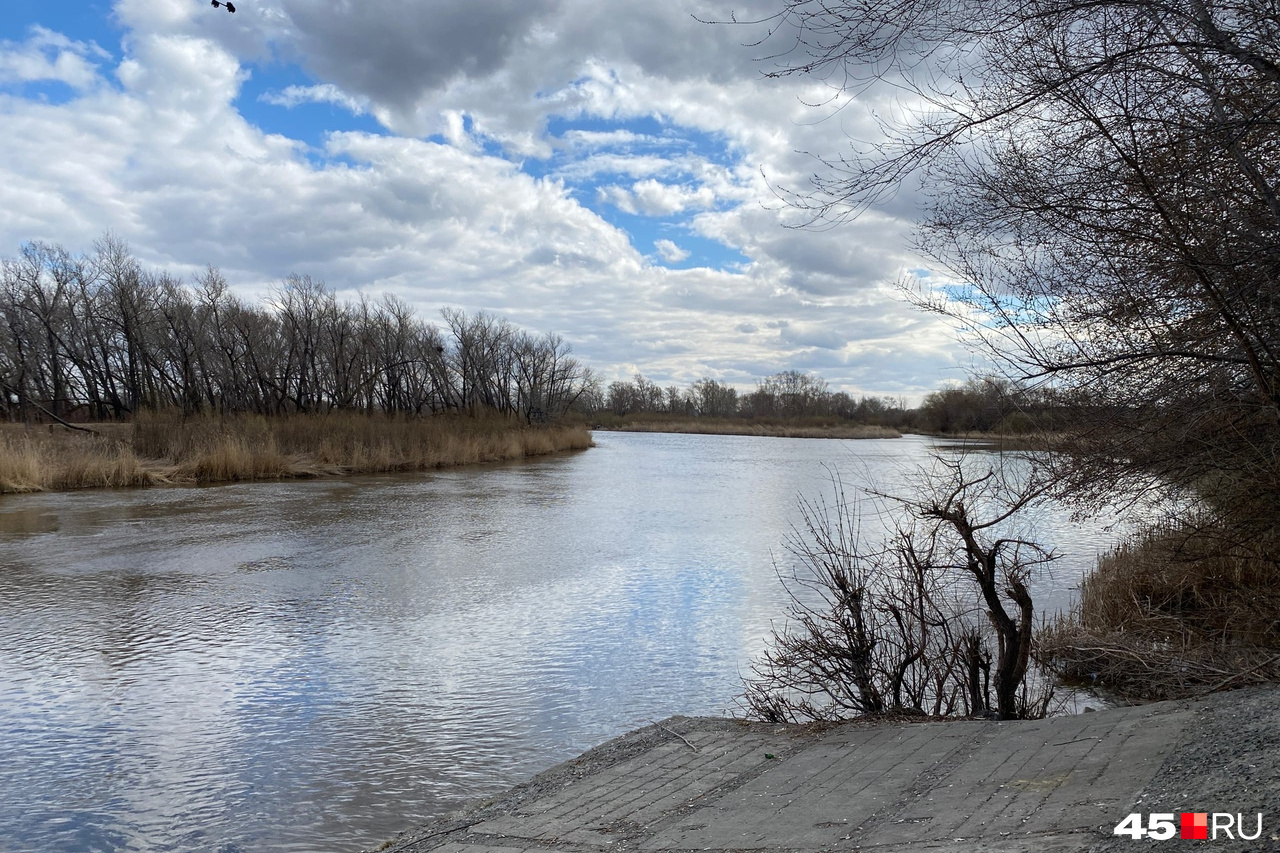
point(610, 138)
point(820, 335)
point(325, 93)
point(47, 56)
point(155, 149)
point(639, 165)
point(654, 198)
point(670, 252)
point(658, 199)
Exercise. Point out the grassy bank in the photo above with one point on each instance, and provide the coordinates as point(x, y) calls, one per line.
point(1172, 612)
point(782, 428)
point(158, 449)
point(1001, 441)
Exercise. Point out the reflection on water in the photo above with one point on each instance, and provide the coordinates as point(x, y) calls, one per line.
point(319, 665)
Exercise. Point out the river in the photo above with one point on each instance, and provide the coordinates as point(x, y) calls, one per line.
point(318, 665)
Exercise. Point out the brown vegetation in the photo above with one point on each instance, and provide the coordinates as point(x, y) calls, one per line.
point(158, 448)
point(1175, 611)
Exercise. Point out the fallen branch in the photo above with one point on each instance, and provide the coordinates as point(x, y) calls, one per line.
point(9, 387)
point(677, 734)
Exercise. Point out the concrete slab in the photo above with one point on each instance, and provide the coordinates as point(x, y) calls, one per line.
point(699, 784)
point(632, 795)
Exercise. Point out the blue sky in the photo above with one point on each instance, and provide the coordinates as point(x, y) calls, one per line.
point(606, 171)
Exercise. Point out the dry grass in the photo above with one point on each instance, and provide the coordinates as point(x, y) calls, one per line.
point(1172, 612)
point(809, 428)
point(40, 460)
point(170, 449)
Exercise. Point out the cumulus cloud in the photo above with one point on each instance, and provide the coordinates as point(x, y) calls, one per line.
point(653, 198)
point(658, 199)
point(394, 52)
point(49, 56)
point(670, 252)
point(511, 136)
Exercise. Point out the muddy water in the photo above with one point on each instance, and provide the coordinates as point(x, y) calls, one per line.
point(318, 665)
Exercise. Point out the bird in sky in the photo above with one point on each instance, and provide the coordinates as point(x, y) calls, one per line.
point(231, 7)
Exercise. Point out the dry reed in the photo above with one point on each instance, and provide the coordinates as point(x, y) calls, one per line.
point(40, 460)
point(160, 448)
point(1171, 612)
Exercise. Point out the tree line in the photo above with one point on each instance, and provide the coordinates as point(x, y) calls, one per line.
point(99, 337)
point(980, 404)
point(789, 394)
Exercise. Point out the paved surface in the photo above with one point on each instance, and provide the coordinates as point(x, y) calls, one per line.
point(707, 784)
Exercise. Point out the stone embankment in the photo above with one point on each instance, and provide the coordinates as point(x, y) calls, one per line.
point(1041, 787)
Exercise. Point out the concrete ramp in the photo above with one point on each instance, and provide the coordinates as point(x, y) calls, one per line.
point(721, 785)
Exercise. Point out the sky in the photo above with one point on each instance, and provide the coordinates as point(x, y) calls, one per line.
point(609, 170)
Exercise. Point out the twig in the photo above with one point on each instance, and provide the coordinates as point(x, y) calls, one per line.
point(677, 734)
point(1224, 682)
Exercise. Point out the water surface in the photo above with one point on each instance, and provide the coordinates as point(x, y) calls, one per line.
point(318, 665)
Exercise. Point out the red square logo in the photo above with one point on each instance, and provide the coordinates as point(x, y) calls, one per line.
point(1195, 825)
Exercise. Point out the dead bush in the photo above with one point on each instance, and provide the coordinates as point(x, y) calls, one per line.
point(896, 628)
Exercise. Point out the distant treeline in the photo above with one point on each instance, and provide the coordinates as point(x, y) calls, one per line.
point(98, 337)
point(979, 405)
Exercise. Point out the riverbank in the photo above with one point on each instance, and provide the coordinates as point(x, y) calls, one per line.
point(159, 449)
point(1048, 786)
point(815, 427)
point(999, 441)
point(806, 428)
point(1172, 610)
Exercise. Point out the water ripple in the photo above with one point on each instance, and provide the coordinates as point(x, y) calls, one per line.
point(318, 666)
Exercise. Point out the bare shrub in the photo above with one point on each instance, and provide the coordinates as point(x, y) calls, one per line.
point(968, 514)
point(896, 628)
point(868, 630)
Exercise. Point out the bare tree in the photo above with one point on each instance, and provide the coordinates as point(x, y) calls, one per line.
point(1102, 181)
point(102, 337)
point(714, 399)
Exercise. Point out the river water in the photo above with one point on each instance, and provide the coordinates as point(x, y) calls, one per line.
point(318, 665)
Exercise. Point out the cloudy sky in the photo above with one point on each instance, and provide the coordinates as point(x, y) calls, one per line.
point(605, 170)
